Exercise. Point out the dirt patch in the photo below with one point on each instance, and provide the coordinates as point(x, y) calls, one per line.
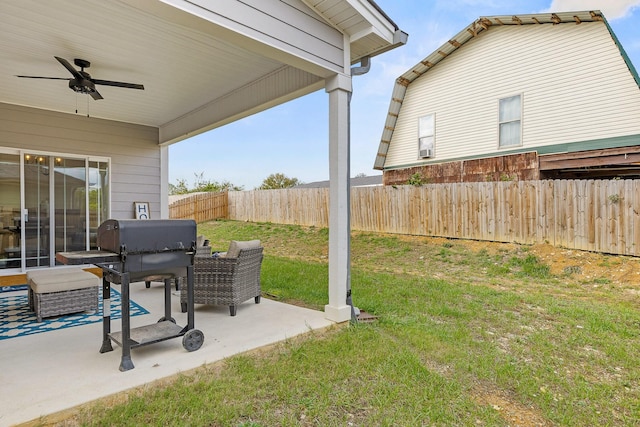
point(512, 411)
point(618, 269)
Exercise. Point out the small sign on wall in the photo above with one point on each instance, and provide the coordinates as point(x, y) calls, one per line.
point(141, 210)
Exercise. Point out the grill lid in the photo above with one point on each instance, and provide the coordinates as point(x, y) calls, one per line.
point(147, 236)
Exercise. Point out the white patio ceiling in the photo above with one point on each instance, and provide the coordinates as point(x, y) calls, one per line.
point(185, 63)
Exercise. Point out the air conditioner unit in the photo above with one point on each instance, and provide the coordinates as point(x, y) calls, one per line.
point(426, 153)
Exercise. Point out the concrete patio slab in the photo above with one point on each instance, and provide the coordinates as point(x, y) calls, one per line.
point(54, 371)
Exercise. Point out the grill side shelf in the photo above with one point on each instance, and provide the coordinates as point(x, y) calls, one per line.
point(87, 257)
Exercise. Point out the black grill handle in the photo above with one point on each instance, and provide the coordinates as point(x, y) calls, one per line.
point(194, 248)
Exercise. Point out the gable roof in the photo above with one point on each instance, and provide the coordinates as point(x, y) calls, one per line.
point(480, 25)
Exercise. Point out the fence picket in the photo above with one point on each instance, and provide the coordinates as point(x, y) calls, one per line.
point(593, 215)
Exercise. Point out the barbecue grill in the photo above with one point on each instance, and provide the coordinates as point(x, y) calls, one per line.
point(143, 250)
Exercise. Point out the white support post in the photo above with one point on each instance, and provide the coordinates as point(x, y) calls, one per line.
point(164, 181)
point(339, 89)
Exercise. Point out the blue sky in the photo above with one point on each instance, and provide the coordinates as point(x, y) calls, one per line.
point(293, 138)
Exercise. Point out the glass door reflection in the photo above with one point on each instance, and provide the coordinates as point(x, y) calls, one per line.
point(37, 180)
point(70, 220)
point(98, 198)
point(49, 204)
point(10, 248)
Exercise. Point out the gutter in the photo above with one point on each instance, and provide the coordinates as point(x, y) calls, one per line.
point(383, 13)
point(399, 39)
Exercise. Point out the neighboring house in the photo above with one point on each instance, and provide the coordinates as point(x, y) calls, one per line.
point(358, 181)
point(203, 64)
point(526, 97)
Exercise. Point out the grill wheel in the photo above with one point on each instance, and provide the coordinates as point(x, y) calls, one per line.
point(192, 340)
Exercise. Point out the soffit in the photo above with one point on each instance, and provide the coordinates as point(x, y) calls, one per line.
point(180, 66)
point(188, 65)
point(369, 29)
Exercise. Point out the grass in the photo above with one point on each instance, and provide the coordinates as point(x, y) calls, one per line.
point(488, 337)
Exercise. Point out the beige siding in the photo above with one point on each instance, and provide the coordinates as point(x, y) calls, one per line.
point(574, 82)
point(133, 149)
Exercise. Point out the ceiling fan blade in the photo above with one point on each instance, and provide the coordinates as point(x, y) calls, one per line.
point(39, 77)
point(69, 67)
point(117, 84)
point(96, 95)
point(82, 81)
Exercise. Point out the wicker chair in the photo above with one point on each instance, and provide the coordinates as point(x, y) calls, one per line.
point(226, 281)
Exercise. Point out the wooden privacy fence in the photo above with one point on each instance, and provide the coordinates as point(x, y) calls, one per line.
point(302, 206)
point(594, 215)
point(200, 207)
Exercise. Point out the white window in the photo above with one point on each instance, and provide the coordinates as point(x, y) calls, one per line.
point(426, 135)
point(510, 121)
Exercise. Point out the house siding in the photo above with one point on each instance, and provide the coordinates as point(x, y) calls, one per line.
point(570, 76)
point(133, 149)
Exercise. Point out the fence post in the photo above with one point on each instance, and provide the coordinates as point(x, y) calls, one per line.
point(594, 215)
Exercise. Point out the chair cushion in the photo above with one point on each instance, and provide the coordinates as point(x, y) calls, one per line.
point(236, 246)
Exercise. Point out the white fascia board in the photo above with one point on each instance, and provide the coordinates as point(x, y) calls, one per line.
point(374, 17)
point(371, 22)
point(379, 26)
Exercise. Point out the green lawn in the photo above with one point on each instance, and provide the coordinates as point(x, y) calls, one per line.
point(465, 337)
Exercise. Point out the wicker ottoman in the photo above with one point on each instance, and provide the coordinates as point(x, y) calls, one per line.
point(56, 292)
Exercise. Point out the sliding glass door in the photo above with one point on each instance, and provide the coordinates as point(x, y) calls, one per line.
point(98, 186)
point(49, 204)
point(10, 211)
point(36, 217)
point(69, 186)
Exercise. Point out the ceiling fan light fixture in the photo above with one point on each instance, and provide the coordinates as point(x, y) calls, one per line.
point(84, 86)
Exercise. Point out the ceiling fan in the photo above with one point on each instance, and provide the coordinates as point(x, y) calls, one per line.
point(82, 82)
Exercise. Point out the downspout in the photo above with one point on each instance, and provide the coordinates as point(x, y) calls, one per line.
point(365, 66)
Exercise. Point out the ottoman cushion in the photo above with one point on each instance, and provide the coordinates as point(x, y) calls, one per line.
point(63, 282)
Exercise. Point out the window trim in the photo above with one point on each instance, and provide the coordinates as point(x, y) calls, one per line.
point(432, 135)
point(520, 142)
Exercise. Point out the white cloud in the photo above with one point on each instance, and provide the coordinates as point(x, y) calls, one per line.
point(612, 9)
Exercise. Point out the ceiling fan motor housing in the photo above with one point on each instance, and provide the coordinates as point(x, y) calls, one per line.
point(82, 63)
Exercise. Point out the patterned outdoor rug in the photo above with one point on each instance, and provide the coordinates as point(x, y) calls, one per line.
point(16, 320)
point(13, 288)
